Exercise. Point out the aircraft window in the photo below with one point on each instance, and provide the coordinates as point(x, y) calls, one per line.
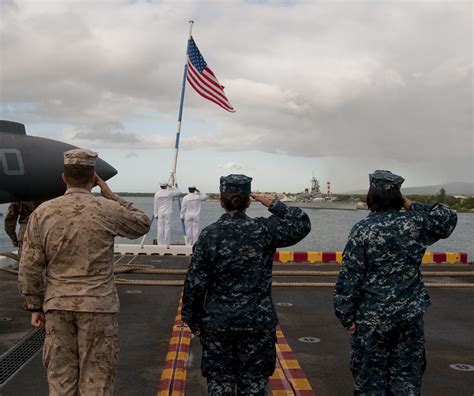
point(12, 162)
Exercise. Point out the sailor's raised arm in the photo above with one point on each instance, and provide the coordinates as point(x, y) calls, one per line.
point(125, 220)
point(174, 192)
point(287, 225)
point(32, 266)
point(435, 221)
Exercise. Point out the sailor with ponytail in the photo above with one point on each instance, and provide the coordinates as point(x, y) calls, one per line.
point(227, 294)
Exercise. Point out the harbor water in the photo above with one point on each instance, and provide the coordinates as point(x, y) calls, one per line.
point(330, 228)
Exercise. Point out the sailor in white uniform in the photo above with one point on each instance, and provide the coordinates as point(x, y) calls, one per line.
point(190, 213)
point(162, 210)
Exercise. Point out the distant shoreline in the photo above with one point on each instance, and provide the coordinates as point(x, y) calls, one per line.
point(461, 205)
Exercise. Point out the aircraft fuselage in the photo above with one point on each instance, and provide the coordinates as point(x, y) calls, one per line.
point(31, 167)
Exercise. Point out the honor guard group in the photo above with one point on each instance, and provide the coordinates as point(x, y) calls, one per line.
point(67, 280)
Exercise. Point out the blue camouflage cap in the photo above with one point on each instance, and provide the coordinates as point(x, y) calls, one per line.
point(385, 180)
point(235, 183)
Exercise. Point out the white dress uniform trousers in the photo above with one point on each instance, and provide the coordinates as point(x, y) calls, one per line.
point(162, 210)
point(191, 212)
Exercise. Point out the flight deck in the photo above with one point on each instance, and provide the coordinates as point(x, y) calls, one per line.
point(159, 356)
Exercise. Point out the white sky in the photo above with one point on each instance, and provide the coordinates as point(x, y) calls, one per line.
point(335, 88)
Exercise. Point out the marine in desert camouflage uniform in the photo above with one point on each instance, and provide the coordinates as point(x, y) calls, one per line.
point(70, 239)
point(227, 294)
point(380, 296)
point(18, 212)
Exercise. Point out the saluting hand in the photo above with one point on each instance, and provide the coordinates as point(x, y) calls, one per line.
point(104, 188)
point(262, 199)
point(407, 203)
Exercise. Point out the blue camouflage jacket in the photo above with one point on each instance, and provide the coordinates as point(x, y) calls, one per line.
point(229, 280)
point(380, 282)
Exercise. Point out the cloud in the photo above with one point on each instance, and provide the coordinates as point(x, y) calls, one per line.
point(229, 165)
point(131, 154)
point(359, 80)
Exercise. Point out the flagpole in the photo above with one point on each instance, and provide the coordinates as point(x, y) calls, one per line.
point(172, 180)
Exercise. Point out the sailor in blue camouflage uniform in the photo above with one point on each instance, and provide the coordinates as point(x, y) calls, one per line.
point(380, 296)
point(227, 294)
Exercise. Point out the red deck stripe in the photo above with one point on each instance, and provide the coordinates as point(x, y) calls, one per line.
point(297, 373)
point(285, 384)
point(287, 355)
point(179, 386)
point(280, 384)
point(176, 386)
point(300, 257)
point(439, 257)
point(327, 257)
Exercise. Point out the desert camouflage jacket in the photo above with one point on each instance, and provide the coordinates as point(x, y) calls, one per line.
point(67, 260)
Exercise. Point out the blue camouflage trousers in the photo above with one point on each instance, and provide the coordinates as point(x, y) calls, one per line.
point(388, 361)
point(238, 362)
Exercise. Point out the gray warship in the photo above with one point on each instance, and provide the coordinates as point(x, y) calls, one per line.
point(313, 198)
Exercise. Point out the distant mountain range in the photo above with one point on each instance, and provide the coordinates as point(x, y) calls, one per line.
point(454, 188)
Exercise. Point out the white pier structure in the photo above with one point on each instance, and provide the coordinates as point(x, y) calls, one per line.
point(149, 250)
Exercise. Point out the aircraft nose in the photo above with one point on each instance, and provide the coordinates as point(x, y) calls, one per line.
point(104, 169)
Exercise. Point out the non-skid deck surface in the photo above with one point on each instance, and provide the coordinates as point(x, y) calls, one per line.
point(149, 316)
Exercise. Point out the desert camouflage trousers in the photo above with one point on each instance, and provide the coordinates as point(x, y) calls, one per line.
point(389, 361)
point(81, 352)
point(238, 362)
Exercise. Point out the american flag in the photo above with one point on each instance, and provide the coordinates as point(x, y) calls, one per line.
point(203, 80)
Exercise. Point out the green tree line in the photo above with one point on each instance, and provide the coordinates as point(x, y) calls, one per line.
point(459, 204)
